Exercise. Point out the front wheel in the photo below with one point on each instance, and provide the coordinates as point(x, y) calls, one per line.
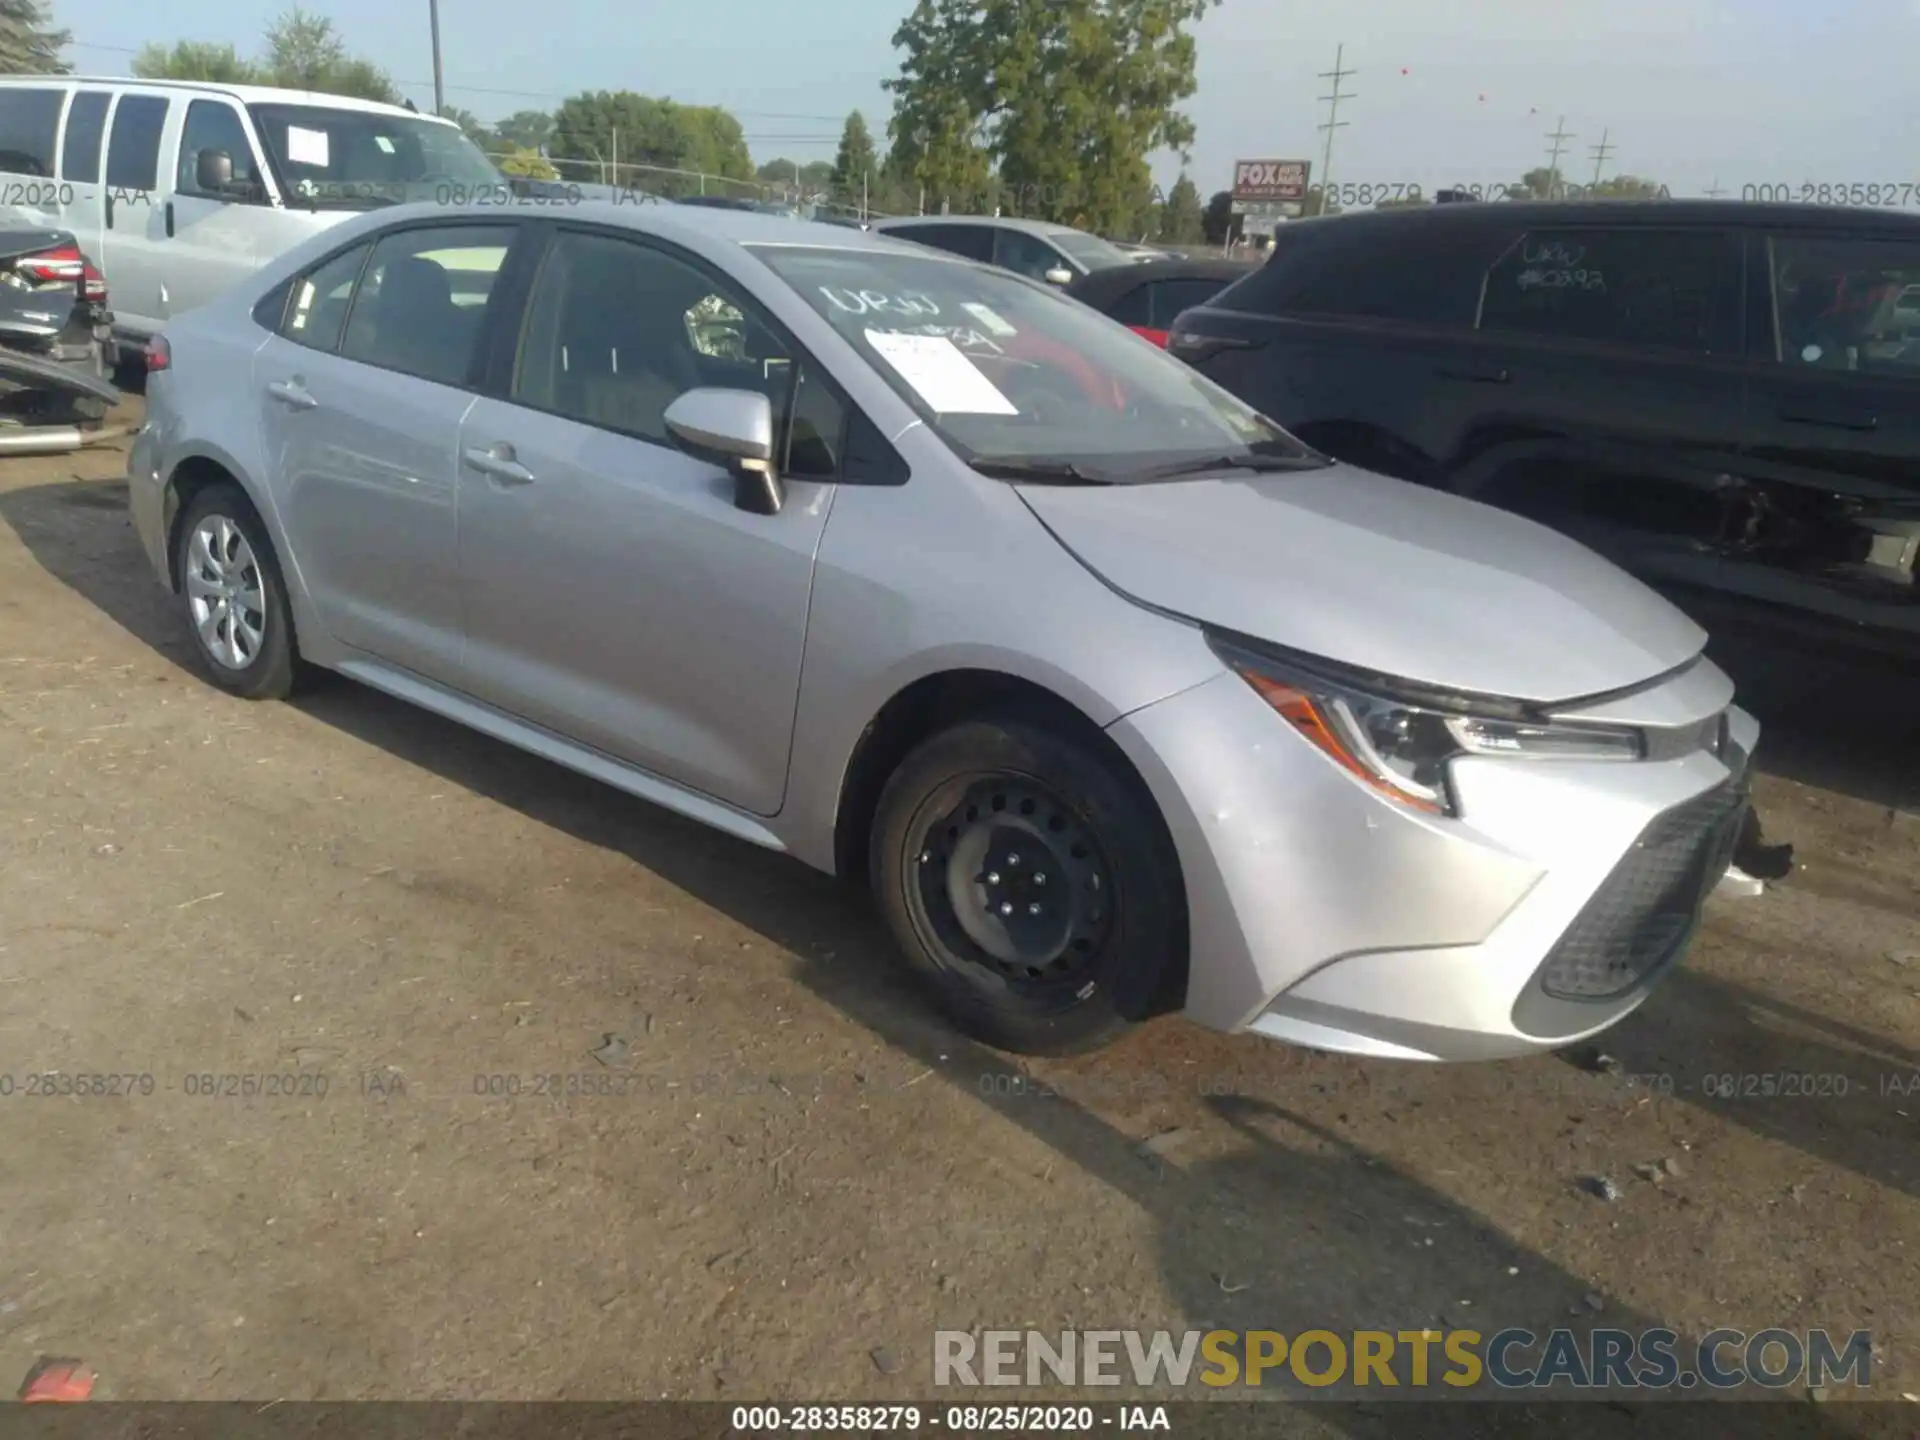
point(235, 601)
point(1031, 886)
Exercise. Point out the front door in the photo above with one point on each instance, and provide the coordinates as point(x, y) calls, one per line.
point(612, 590)
point(1830, 505)
point(219, 236)
point(362, 393)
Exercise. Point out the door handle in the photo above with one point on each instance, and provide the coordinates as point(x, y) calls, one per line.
point(291, 393)
point(1477, 374)
point(109, 209)
point(498, 461)
point(169, 219)
point(1832, 417)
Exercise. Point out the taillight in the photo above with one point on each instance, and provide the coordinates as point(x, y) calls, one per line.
point(93, 285)
point(1147, 332)
point(159, 354)
point(48, 267)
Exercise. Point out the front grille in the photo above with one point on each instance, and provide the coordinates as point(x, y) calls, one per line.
point(1643, 914)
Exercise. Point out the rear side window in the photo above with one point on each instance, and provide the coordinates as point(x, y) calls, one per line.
point(133, 150)
point(1170, 297)
point(1416, 274)
point(420, 305)
point(28, 120)
point(1652, 288)
point(973, 241)
point(320, 301)
point(1846, 304)
point(86, 132)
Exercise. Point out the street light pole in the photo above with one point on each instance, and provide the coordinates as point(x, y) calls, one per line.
point(439, 90)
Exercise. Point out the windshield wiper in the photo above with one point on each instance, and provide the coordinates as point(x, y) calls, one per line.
point(1255, 462)
point(1055, 472)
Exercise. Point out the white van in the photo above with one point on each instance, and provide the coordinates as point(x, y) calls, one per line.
point(178, 189)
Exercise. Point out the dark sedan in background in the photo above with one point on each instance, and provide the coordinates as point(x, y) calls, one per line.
point(1148, 295)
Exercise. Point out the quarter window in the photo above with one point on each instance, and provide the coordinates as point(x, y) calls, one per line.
point(133, 151)
point(420, 304)
point(1134, 308)
point(1847, 304)
point(321, 299)
point(28, 120)
point(1651, 288)
point(86, 132)
point(974, 242)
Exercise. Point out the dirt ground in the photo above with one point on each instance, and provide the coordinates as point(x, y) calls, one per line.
point(814, 1176)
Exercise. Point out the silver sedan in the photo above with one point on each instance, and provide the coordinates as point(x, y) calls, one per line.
point(1120, 699)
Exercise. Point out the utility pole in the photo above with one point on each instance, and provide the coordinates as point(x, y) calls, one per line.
point(1559, 137)
point(439, 90)
point(1714, 192)
point(1600, 154)
point(616, 157)
point(863, 197)
point(1334, 122)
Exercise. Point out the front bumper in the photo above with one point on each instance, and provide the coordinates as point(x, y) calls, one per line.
point(1324, 915)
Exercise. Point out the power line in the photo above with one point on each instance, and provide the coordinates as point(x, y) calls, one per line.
point(1334, 122)
point(492, 90)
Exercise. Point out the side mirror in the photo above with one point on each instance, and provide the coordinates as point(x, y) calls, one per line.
point(1059, 275)
point(733, 428)
point(213, 171)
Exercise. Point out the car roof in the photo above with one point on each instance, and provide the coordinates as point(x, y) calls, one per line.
point(245, 94)
point(1003, 222)
point(1110, 283)
point(1534, 214)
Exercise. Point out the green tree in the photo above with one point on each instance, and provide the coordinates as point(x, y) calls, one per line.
point(854, 163)
point(194, 60)
point(716, 145)
point(1183, 221)
point(470, 124)
point(1218, 222)
point(305, 53)
point(1628, 187)
point(650, 135)
point(29, 45)
point(1060, 101)
point(526, 129)
point(1542, 183)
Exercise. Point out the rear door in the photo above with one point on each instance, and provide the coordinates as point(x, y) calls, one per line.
point(83, 153)
point(134, 228)
point(1827, 526)
point(1603, 393)
point(361, 394)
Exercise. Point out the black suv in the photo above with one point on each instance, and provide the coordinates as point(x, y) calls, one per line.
point(1723, 397)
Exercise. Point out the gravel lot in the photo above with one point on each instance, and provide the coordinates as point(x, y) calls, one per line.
point(813, 1176)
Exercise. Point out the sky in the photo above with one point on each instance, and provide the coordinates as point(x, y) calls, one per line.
point(1691, 93)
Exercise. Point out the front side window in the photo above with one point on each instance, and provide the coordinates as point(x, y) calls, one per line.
point(1005, 370)
point(341, 159)
point(317, 310)
point(1846, 304)
point(133, 148)
point(215, 125)
point(420, 304)
point(1649, 288)
point(28, 120)
point(86, 133)
point(618, 330)
point(1026, 254)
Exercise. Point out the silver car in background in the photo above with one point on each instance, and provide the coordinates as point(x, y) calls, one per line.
point(1120, 699)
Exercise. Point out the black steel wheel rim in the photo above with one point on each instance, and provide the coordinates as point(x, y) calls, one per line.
point(1007, 879)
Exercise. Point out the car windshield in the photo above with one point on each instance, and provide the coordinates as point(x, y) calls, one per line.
point(341, 159)
point(1090, 250)
point(1007, 370)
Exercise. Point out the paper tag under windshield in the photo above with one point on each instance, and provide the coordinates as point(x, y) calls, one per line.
point(306, 147)
point(940, 373)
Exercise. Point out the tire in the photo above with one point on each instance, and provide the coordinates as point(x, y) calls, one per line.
point(220, 521)
point(1023, 967)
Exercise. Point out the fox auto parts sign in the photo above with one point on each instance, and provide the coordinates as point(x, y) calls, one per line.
point(1270, 182)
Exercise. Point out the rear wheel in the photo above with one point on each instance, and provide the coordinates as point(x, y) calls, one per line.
point(235, 602)
point(1030, 884)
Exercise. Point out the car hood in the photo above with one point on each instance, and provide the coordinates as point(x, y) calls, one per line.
point(1379, 575)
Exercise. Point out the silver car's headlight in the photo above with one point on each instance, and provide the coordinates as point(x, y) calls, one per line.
point(1402, 745)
